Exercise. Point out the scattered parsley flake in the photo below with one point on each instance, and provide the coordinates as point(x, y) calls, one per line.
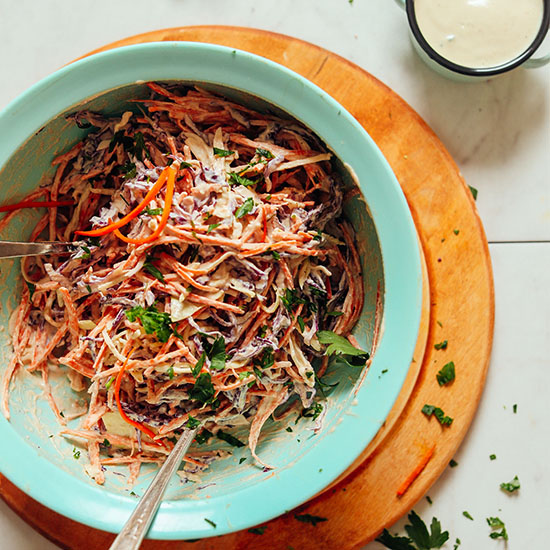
point(511, 486)
point(473, 190)
point(235, 179)
point(301, 323)
point(152, 321)
point(222, 152)
point(258, 530)
point(441, 345)
point(492, 457)
point(515, 408)
point(203, 390)
point(76, 454)
point(203, 436)
point(210, 522)
point(497, 523)
point(152, 270)
point(264, 153)
point(456, 544)
point(211, 227)
point(242, 459)
point(418, 536)
point(198, 365)
point(192, 423)
point(109, 382)
point(153, 211)
point(447, 374)
point(106, 443)
point(429, 500)
point(334, 313)
point(453, 463)
point(275, 255)
point(440, 324)
point(89, 289)
point(308, 518)
point(466, 514)
point(228, 438)
point(170, 372)
point(456, 231)
point(428, 410)
point(31, 288)
point(245, 208)
point(312, 412)
point(289, 429)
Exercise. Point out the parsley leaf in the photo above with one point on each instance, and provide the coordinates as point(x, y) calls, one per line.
point(275, 255)
point(497, 523)
point(492, 457)
point(138, 147)
point(264, 153)
point(473, 190)
point(308, 518)
point(152, 270)
point(211, 227)
point(31, 288)
point(228, 438)
point(109, 382)
point(203, 436)
point(170, 372)
point(428, 410)
point(340, 347)
point(467, 515)
point(245, 208)
point(198, 365)
point(203, 390)
point(441, 345)
point(511, 486)
point(235, 179)
point(210, 522)
point(192, 423)
point(267, 360)
point(312, 412)
point(153, 211)
point(334, 313)
point(76, 454)
point(418, 533)
point(301, 323)
point(258, 530)
point(394, 542)
point(216, 353)
point(129, 170)
point(222, 152)
point(152, 321)
point(446, 374)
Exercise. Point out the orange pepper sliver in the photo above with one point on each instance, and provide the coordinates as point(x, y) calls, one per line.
point(165, 213)
point(134, 213)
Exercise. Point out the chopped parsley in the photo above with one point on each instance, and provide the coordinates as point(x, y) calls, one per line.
point(429, 499)
point(198, 365)
point(456, 231)
point(152, 270)
point(222, 152)
point(334, 313)
point(494, 524)
point(228, 438)
point(267, 359)
point(203, 436)
point(76, 454)
point(192, 423)
point(106, 443)
point(152, 320)
point(515, 408)
point(289, 429)
point(428, 410)
point(235, 179)
point(312, 412)
point(129, 170)
point(291, 298)
point(31, 288)
point(453, 463)
point(308, 518)
point(138, 147)
point(466, 514)
point(492, 457)
point(511, 486)
point(211, 227)
point(203, 390)
point(456, 544)
point(301, 323)
point(441, 345)
point(245, 208)
point(87, 253)
point(258, 530)
point(242, 459)
point(210, 522)
point(89, 289)
point(419, 538)
point(264, 153)
point(473, 190)
point(153, 211)
point(447, 374)
point(170, 372)
point(109, 382)
point(275, 255)
point(342, 351)
point(216, 353)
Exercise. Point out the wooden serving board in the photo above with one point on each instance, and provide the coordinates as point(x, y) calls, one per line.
point(459, 309)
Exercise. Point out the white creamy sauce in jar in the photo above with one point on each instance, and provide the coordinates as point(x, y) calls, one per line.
point(479, 33)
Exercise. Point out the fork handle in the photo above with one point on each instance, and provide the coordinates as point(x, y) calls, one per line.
point(10, 249)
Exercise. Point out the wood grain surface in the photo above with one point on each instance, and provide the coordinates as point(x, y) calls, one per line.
point(459, 308)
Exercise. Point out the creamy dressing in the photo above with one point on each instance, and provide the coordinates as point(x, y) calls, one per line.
point(479, 33)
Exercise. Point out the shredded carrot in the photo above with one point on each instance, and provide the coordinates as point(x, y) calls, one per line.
point(133, 214)
point(125, 417)
point(416, 472)
point(34, 204)
point(165, 213)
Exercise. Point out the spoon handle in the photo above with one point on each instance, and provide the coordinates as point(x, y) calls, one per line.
point(138, 523)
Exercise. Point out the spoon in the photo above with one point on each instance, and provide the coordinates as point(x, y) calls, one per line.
point(138, 523)
point(10, 249)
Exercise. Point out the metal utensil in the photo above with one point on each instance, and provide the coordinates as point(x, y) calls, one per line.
point(136, 527)
point(10, 249)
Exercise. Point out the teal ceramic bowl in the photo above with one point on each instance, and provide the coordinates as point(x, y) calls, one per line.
point(232, 494)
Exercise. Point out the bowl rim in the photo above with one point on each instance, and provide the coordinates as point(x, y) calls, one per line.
point(201, 62)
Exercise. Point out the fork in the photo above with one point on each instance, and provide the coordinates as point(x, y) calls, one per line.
point(11, 249)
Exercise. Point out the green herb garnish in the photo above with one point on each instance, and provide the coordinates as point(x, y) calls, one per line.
point(245, 208)
point(152, 321)
point(31, 288)
point(428, 410)
point(222, 152)
point(466, 514)
point(170, 372)
point(87, 253)
point(210, 522)
point(275, 255)
point(152, 270)
point(258, 530)
point(89, 289)
point(228, 438)
point(129, 170)
point(76, 454)
point(441, 345)
point(511, 486)
point(308, 518)
point(301, 323)
point(198, 365)
point(264, 153)
point(334, 313)
point(203, 436)
point(492, 457)
point(109, 382)
point(497, 523)
point(192, 423)
point(203, 390)
point(473, 190)
point(342, 350)
point(153, 211)
point(453, 463)
point(211, 227)
point(446, 374)
point(515, 408)
point(312, 412)
point(235, 179)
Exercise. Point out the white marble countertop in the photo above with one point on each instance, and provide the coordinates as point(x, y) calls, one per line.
point(499, 134)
